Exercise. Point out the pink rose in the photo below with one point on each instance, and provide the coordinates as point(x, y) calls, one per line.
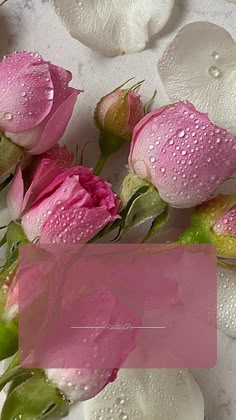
point(36, 101)
point(62, 205)
point(182, 153)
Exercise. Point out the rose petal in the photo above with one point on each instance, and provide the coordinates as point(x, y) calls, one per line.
point(26, 93)
point(158, 394)
point(199, 65)
point(69, 192)
point(60, 155)
point(16, 195)
point(46, 172)
point(54, 128)
point(55, 180)
point(60, 79)
point(227, 301)
point(74, 225)
point(114, 28)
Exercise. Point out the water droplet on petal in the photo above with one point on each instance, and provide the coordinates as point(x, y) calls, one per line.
point(181, 133)
point(8, 116)
point(214, 72)
point(215, 55)
point(212, 179)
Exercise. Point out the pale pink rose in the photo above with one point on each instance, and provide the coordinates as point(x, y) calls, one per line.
point(62, 205)
point(182, 153)
point(36, 101)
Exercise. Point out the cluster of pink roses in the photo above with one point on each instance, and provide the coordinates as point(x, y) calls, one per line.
point(178, 158)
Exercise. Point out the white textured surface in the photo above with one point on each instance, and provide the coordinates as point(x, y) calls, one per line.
point(32, 24)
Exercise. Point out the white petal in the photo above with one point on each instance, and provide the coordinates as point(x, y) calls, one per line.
point(227, 301)
point(200, 66)
point(145, 394)
point(114, 27)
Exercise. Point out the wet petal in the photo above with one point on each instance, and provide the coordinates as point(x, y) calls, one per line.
point(199, 65)
point(27, 91)
point(158, 394)
point(74, 225)
point(227, 301)
point(113, 27)
point(183, 154)
point(54, 127)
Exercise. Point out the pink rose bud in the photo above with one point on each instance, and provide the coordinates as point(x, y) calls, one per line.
point(182, 153)
point(62, 204)
point(36, 105)
point(116, 116)
point(214, 222)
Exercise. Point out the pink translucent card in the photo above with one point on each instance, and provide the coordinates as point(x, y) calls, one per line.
point(103, 306)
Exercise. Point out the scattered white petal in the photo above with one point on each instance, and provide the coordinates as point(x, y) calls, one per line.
point(114, 27)
point(200, 66)
point(148, 394)
point(227, 301)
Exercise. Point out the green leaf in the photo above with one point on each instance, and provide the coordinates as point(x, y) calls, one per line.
point(36, 398)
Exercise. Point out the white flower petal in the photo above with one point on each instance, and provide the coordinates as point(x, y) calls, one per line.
point(114, 27)
point(145, 394)
point(227, 301)
point(200, 66)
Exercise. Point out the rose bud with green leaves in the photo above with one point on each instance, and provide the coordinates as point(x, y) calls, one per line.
point(36, 105)
point(214, 222)
point(182, 153)
point(115, 116)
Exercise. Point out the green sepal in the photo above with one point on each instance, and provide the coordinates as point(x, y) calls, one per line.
point(157, 223)
point(203, 221)
point(140, 202)
point(15, 234)
point(147, 205)
point(8, 339)
point(35, 398)
point(10, 155)
point(132, 187)
point(194, 235)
